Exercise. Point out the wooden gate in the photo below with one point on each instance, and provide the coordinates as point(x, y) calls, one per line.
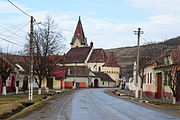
point(159, 85)
point(178, 86)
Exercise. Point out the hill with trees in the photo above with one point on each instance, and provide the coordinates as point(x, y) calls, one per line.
point(126, 56)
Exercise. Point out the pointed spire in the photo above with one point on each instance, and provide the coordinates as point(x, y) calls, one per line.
point(79, 34)
point(111, 61)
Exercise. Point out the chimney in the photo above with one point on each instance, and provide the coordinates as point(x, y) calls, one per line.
point(91, 44)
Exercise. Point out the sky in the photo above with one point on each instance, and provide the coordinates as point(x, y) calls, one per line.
point(108, 23)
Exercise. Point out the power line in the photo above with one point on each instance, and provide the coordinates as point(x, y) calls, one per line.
point(11, 42)
point(19, 8)
point(16, 27)
point(12, 32)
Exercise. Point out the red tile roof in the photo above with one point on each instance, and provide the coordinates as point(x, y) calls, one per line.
point(111, 61)
point(72, 71)
point(98, 55)
point(23, 61)
point(79, 33)
point(54, 59)
point(103, 76)
point(77, 55)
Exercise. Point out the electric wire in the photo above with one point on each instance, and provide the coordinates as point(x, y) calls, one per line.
point(10, 42)
point(12, 32)
point(19, 8)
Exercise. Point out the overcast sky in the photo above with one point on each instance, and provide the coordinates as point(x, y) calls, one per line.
point(108, 23)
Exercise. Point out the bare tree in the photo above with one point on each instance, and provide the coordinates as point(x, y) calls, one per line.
point(170, 68)
point(6, 68)
point(48, 41)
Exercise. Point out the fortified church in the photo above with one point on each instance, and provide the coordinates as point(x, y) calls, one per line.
point(87, 66)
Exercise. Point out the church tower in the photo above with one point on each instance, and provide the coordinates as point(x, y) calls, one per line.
point(79, 39)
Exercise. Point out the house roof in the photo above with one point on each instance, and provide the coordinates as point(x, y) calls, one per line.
point(103, 76)
point(75, 71)
point(20, 61)
point(98, 55)
point(111, 61)
point(77, 55)
point(79, 33)
point(56, 59)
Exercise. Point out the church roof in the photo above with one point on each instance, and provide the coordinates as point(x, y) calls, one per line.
point(77, 55)
point(98, 55)
point(111, 61)
point(79, 33)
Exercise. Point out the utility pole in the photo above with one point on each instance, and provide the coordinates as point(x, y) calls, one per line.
point(31, 59)
point(138, 33)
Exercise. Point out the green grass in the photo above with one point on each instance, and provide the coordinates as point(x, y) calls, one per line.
point(11, 104)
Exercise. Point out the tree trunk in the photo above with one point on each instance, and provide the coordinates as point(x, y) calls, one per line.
point(141, 92)
point(47, 90)
point(39, 91)
point(49, 82)
point(174, 100)
point(4, 92)
point(136, 93)
point(17, 90)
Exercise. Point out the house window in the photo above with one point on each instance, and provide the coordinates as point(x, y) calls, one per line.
point(99, 69)
point(150, 78)
point(165, 80)
point(144, 80)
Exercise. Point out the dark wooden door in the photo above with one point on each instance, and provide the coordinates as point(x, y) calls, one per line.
point(178, 86)
point(13, 84)
point(159, 85)
point(96, 83)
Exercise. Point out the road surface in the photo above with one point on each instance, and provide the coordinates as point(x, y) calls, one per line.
point(94, 104)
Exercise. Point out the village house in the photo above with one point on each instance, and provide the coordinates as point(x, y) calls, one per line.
point(156, 81)
point(18, 77)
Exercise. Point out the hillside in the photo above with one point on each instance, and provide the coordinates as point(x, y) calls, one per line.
point(125, 56)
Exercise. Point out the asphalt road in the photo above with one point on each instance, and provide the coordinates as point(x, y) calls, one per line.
point(94, 104)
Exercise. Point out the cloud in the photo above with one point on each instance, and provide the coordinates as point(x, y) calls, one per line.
point(165, 19)
point(158, 6)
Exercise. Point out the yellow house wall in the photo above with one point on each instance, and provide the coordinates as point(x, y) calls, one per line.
point(113, 72)
point(44, 83)
point(56, 83)
point(150, 87)
point(72, 64)
point(95, 66)
point(107, 84)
